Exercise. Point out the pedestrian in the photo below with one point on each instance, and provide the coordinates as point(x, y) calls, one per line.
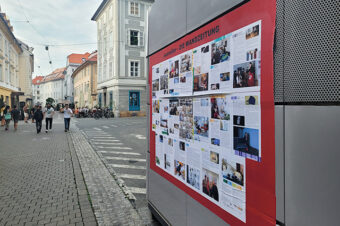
point(67, 117)
point(33, 109)
point(38, 117)
point(25, 113)
point(48, 114)
point(7, 117)
point(15, 116)
point(2, 115)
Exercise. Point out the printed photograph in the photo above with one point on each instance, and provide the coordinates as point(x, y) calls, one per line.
point(215, 141)
point(164, 82)
point(155, 106)
point(176, 80)
point(252, 54)
point(246, 74)
point(167, 163)
point(251, 100)
point(170, 142)
point(164, 122)
point(182, 78)
point(220, 51)
point(182, 146)
point(224, 125)
point(179, 168)
point(155, 85)
point(204, 102)
point(186, 63)
point(238, 120)
point(253, 32)
point(186, 119)
point(232, 171)
point(246, 140)
point(174, 69)
point(174, 107)
point(214, 157)
point(201, 82)
point(210, 183)
point(219, 108)
point(201, 126)
point(225, 76)
point(193, 177)
point(215, 86)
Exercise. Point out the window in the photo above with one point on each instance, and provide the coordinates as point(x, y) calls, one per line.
point(134, 68)
point(135, 38)
point(134, 9)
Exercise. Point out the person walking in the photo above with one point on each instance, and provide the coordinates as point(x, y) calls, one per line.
point(2, 115)
point(48, 114)
point(33, 109)
point(38, 117)
point(7, 117)
point(15, 116)
point(25, 109)
point(67, 117)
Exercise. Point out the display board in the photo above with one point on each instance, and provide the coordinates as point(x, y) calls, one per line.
point(212, 117)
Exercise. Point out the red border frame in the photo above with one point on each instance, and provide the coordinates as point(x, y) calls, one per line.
point(260, 180)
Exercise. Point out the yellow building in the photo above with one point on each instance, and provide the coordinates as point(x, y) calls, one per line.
point(9, 61)
point(85, 83)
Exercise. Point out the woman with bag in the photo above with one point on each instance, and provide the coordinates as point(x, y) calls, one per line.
point(8, 117)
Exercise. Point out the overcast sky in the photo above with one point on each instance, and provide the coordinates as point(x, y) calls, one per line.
point(53, 22)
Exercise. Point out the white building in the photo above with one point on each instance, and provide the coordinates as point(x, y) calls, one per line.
point(122, 48)
point(26, 67)
point(36, 90)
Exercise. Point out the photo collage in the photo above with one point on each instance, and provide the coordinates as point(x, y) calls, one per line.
point(206, 115)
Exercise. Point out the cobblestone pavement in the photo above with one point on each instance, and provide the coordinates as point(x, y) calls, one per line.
point(40, 179)
point(111, 205)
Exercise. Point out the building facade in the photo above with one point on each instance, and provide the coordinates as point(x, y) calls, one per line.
point(36, 90)
point(52, 86)
point(122, 45)
point(74, 60)
point(9, 64)
point(26, 68)
point(85, 83)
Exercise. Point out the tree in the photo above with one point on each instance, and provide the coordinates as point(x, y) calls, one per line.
point(50, 100)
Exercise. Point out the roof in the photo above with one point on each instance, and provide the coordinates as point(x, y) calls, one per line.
point(92, 59)
point(37, 80)
point(76, 58)
point(99, 10)
point(57, 74)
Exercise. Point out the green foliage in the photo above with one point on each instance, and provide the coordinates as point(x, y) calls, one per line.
point(50, 100)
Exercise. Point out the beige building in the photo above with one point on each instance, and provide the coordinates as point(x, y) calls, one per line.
point(26, 67)
point(85, 83)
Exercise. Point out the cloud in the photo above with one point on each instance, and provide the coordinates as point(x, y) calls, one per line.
point(54, 22)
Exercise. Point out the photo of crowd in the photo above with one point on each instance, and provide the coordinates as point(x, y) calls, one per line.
point(179, 169)
point(209, 184)
point(174, 69)
point(193, 177)
point(253, 32)
point(246, 74)
point(219, 108)
point(186, 62)
point(232, 171)
point(201, 82)
point(201, 126)
point(220, 51)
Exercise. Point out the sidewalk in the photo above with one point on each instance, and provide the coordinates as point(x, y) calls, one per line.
point(40, 179)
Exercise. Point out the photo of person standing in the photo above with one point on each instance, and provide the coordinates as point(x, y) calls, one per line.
point(67, 117)
point(48, 114)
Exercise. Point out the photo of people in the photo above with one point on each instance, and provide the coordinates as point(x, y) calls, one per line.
point(155, 106)
point(179, 169)
point(232, 171)
point(186, 63)
point(174, 107)
point(246, 140)
point(219, 108)
point(215, 86)
point(201, 82)
point(220, 51)
point(225, 76)
point(193, 177)
point(174, 69)
point(252, 54)
point(164, 122)
point(210, 183)
point(164, 82)
point(252, 100)
point(215, 141)
point(201, 126)
point(182, 78)
point(253, 32)
point(238, 120)
point(170, 142)
point(182, 146)
point(246, 74)
point(155, 85)
point(214, 157)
